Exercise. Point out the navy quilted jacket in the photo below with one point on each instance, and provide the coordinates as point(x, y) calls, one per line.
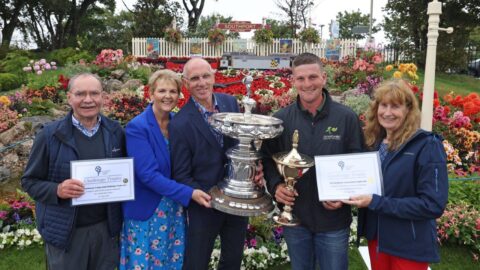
point(49, 165)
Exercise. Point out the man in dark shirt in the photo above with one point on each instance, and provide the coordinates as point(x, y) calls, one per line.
point(325, 128)
point(80, 237)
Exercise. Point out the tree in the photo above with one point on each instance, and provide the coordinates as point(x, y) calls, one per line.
point(208, 22)
point(55, 24)
point(296, 12)
point(280, 29)
point(348, 20)
point(152, 17)
point(194, 10)
point(10, 11)
point(406, 25)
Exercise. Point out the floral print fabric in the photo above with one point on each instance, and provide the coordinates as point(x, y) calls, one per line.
point(156, 243)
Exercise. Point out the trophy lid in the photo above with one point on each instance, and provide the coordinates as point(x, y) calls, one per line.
point(293, 158)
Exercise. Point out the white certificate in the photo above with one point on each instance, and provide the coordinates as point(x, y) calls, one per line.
point(105, 180)
point(341, 176)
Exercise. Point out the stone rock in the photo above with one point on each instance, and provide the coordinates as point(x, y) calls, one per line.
point(113, 85)
point(117, 74)
point(5, 174)
point(11, 134)
point(23, 149)
point(132, 84)
point(10, 159)
point(38, 121)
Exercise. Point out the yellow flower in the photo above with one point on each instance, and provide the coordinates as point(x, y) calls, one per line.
point(411, 74)
point(413, 68)
point(389, 67)
point(397, 75)
point(5, 100)
point(403, 67)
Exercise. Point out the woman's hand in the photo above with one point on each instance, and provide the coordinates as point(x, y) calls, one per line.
point(201, 198)
point(360, 201)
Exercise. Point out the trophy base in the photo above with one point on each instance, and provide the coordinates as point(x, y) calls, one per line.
point(240, 207)
point(286, 222)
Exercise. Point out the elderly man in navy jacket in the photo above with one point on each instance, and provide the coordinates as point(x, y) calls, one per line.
point(198, 160)
point(80, 237)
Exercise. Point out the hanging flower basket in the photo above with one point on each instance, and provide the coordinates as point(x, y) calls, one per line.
point(216, 37)
point(173, 35)
point(309, 35)
point(263, 36)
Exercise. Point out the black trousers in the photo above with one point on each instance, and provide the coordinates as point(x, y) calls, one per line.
point(203, 227)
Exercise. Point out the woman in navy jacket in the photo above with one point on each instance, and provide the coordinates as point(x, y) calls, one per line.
point(400, 225)
point(154, 227)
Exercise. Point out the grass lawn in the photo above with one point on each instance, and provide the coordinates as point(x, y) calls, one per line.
point(453, 257)
point(459, 84)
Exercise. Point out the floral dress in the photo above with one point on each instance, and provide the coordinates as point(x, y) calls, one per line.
point(156, 243)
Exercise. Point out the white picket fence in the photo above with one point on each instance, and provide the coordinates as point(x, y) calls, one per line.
point(168, 49)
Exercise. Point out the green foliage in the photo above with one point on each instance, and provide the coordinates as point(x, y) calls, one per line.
point(151, 18)
point(216, 36)
point(61, 55)
point(263, 36)
point(464, 192)
point(36, 106)
point(14, 62)
point(348, 20)
point(309, 35)
point(406, 25)
point(72, 69)
point(49, 78)
point(280, 29)
point(142, 73)
point(81, 55)
point(9, 81)
point(358, 103)
point(207, 23)
point(173, 35)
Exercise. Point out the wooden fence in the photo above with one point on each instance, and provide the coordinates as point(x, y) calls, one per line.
point(184, 49)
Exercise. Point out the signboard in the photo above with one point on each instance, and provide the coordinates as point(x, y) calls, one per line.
point(240, 45)
point(334, 29)
point(240, 26)
point(195, 47)
point(360, 29)
point(286, 46)
point(332, 51)
point(153, 48)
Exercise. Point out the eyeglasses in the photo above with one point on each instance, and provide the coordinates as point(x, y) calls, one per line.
point(83, 94)
point(195, 79)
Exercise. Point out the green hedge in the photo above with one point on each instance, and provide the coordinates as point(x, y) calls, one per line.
point(9, 81)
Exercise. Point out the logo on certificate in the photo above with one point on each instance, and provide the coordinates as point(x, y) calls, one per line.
point(98, 169)
point(125, 180)
point(341, 164)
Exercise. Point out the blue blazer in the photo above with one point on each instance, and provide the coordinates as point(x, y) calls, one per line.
point(198, 160)
point(146, 144)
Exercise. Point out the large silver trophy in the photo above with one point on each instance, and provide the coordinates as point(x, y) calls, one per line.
point(237, 194)
point(291, 165)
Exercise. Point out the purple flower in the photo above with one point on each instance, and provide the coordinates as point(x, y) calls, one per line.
point(36, 67)
point(3, 215)
point(253, 242)
point(16, 216)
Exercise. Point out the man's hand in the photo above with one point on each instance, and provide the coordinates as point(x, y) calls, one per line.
point(258, 180)
point(70, 188)
point(359, 201)
point(201, 198)
point(285, 196)
point(332, 205)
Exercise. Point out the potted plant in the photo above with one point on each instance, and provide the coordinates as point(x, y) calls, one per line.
point(216, 37)
point(173, 35)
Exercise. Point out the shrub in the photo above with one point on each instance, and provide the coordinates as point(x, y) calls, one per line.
point(61, 55)
point(464, 192)
point(9, 81)
point(216, 36)
point(359, 104)
point(173, 35)
point(71, 70)
point(81, 55)
point(45, 79)
point(15, 61)
point(263, 36)
point(460, 224)
point(309, 35)
point(142, 73)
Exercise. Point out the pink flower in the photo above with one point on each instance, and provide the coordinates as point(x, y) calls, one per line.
point(39, 72)
point(27, 69)
point(36, 67)
point(138, 251)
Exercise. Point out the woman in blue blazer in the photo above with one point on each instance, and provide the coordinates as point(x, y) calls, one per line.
point(153, 234)
point(400, 225)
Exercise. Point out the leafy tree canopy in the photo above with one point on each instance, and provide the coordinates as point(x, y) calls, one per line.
point(349, 20)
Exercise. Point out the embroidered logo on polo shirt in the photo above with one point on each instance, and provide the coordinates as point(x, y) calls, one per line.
point(330, 134)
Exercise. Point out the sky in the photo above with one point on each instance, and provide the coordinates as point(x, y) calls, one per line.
point(254, 10)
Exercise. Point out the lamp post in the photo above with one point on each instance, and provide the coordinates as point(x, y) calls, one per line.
point(371, 22)
point(321, 31)
point(434, 10)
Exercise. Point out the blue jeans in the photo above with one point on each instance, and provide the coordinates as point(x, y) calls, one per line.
point(328, 250)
